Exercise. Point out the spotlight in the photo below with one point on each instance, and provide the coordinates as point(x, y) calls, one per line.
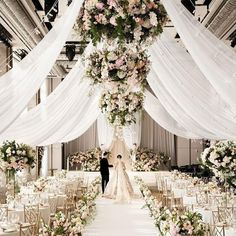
point(70, 51)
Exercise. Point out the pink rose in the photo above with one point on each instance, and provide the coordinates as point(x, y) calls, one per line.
point(113, 21)
point(99, 5)
point(119, 62)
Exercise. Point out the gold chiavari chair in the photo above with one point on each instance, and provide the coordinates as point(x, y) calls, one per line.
point(202, 199)
point(225, 214)
point(53, 202)
point(215, 217)
point(28, 230)
point(31, 215)
point(3, 211)
point(215, 230)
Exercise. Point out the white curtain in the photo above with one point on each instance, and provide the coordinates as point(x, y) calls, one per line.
point(132, 133)
point(179, 76)
point(69, 105)
point(105, 133)
point(19, 85)
point(155, 137)
point(216, 60)
point(159, 114)
point(90, 115)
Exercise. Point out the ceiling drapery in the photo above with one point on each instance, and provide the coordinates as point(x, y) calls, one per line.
point(19, 85)
point(178, 76)
point(54, 118)
point(215, 59)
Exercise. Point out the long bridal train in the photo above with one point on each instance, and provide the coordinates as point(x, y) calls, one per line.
point(119, 187)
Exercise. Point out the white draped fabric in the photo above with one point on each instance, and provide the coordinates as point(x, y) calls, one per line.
point(178, 74)
point(20, 84)
point(158, 113)
point(56, 117)
point(216, 60)
point(105, 133)
point(132, 133)
point(174, 109)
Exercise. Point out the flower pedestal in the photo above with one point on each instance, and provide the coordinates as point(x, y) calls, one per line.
point(11, 184)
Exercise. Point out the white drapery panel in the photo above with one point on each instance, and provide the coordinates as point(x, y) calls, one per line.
point(85, 142)
point(156, 138)
point(190, 90)
point(158, 113)
point(20, 84)
point(132, 133)
point(216, 60)
point(174, 109)
point(90, 115)
point(105, 133)
point(57, 116)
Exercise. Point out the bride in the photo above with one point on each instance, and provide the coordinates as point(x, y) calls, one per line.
point(119, 187)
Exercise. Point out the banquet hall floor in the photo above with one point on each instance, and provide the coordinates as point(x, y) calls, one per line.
point(121, 219)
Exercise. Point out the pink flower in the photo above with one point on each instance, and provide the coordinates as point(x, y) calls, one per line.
point(119, 62)
point(99, 5)
point(113, 21)
point(112, 3)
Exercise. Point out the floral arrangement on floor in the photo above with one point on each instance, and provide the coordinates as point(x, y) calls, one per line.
point(78, 219)
point(15, 157)
point(170, 221)
point(148, 160)
point(128, 21)
point(90, 160)
point(221, 159)
point(40, 184)
point(120, 107)
point(62, 226)
point(173, 223)
point(128, 66)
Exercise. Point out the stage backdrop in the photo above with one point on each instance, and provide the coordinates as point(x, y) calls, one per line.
point(153, 137)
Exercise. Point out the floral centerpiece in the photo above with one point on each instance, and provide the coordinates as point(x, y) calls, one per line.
point(14, 157)
point(90, 160)
point(120, 107)
point(123, 65)
point(128, 21)
point(148, 160)
point(221, 159)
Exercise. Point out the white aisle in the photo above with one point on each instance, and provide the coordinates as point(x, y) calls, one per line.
point(121, 219)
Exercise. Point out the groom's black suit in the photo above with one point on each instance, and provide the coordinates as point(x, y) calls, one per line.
point(104, 170)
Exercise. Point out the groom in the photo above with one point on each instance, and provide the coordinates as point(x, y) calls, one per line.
point(104, 170)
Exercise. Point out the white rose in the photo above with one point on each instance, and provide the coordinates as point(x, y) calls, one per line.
point(8, 151)
point(153, 18)
point(12, 159)
point(111, 56)
point(121, 74)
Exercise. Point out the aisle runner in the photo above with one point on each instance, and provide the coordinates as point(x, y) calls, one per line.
point(121, 219)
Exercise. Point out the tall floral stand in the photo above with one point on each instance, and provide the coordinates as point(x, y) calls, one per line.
point(11, 183)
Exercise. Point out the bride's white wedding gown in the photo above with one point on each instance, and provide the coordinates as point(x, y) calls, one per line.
point(119, 187)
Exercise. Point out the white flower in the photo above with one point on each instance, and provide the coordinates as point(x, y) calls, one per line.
point(8, 151)
point(153, 18)
point(121, 74)
point(111, 56)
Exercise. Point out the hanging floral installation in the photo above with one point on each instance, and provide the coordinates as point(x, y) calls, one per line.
point(120, 107)
point(118, 66)
point(123, 29)
point(137, 21)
